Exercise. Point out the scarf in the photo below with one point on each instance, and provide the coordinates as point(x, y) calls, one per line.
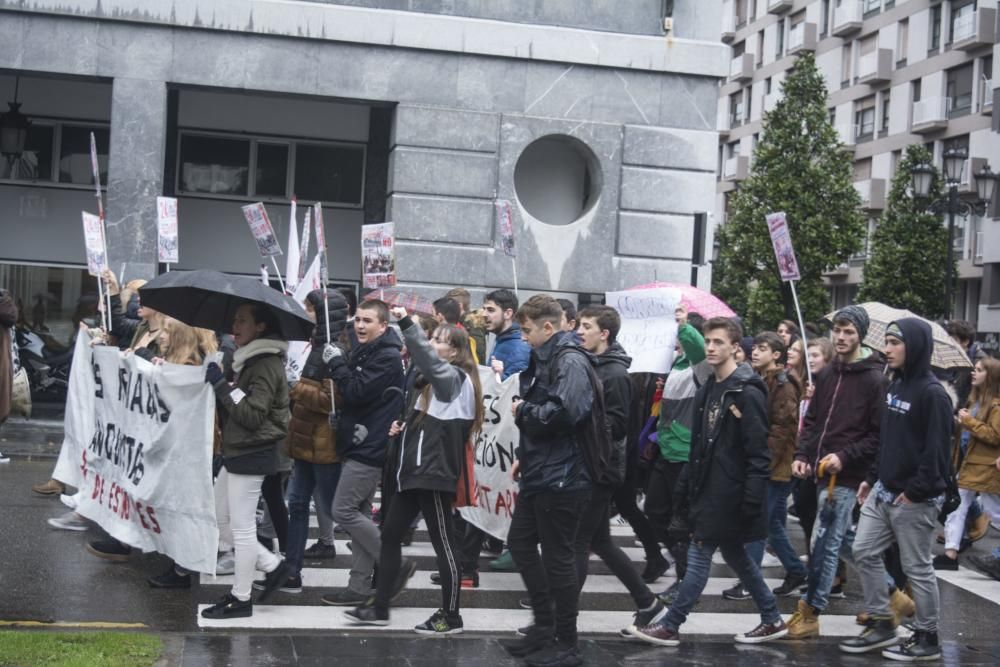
point(257, 347)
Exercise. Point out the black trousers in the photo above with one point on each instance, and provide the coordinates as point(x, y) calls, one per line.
point(624, 500)
point(470, 544)
point(594, 534)
point(549, 519)
point(273, 491)
point(660, 509)
point(806, 495)
point(437, 509)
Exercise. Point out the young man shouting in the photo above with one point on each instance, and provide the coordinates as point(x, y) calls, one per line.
point(901, 502)
point(725, 485)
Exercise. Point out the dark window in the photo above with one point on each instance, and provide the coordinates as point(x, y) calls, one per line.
point(871, 7)
point(780, 38)
point(35, 164)
point(935, 29)
point(214, 165)
point(825, 20)
point(885, 111)
point(74, 154)
point(272, 170)
point(864, 119)
point(916, 89)
point(959, 90)
point(329, 173)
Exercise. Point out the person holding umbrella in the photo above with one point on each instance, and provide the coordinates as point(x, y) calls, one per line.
point(255, 417)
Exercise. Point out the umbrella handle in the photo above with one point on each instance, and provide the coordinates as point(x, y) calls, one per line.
point(830, 485)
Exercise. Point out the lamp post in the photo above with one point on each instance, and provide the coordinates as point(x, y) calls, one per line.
point(922, 177)
point(13, 128)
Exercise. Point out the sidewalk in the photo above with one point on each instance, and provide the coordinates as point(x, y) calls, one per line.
point(36, 438)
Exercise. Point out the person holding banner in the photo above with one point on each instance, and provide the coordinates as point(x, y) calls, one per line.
point(8, 318)
point(255, 419)
point(429, 459)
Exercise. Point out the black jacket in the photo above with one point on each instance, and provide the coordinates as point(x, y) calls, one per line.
point(725, 480)
point(367, 410)
point(430, 451)
point(914, 455)
point(123, 326)
point(551, 412)
point(612, 369)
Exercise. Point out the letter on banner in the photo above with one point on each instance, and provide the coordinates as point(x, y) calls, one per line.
point(166, 225)
point(784, 253)
point(649, 327)
point(93, 237)
point(260, 227)
point(378, 255)
point(138, 446)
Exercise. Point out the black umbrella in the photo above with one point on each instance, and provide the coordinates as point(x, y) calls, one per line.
point(209, 299)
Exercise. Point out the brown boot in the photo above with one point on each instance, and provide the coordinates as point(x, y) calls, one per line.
point(902, 607)
point(804, 623)
point(979, 527)
point(49, 488)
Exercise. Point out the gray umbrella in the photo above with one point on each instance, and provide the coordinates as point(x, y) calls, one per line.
point(209, 299)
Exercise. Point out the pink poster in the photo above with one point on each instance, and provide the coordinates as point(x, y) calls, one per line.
point(784, 253)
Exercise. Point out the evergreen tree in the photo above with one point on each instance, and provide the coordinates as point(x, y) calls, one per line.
point(800, 167)
point(909, 249)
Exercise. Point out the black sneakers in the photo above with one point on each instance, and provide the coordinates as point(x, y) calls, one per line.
point(535, 638)
point(879, 633)
point(557, 653)
point(655, 568)
point(111, 550)
point(366, 615)
point(791, 585)
point(228, 606)
point(274, 579)
point(737, 592)
point(320, 551)
point(292, 584)
point(170, 579)
point(440, 624)
point(944, 562)
point(346, 598)
point(921, 645)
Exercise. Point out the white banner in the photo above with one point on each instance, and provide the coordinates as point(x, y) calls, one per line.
point(495, 489)
point(649, 326)
point(138, 446)
point(166, 227)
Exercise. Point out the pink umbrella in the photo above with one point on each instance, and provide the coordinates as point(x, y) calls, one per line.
point(694, 300)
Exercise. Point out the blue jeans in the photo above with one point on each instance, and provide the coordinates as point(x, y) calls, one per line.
point(306, 477)
point(694, 581)
point(777, 535)
point(833, 541)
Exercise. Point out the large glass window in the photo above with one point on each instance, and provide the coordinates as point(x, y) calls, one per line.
point(74, 154)
point(935, 28)
point(35, 163)
point(214, 165)
point(271, 170)
point(959, 90)
point(330, 173)
point(864, 118)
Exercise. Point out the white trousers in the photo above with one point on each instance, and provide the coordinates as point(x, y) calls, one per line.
point(954, 525)
point(236, 498)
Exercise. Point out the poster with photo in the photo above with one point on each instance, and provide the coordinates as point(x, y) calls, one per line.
point(166, 228)
point(784, 253)
point(263, 232)
point(378, 255)
point(93, 238)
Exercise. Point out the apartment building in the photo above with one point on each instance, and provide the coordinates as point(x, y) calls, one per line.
point(898, 72)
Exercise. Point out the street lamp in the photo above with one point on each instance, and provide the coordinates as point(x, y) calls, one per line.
point(922, 175)
point(13, 128)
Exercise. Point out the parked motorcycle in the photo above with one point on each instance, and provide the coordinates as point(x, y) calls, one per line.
point(47, 366)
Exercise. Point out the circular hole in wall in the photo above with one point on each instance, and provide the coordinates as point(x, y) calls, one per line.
point(557, 179)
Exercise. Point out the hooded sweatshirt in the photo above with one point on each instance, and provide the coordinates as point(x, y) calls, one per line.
point(612, 369)
point(673, 431)
point(916, 430)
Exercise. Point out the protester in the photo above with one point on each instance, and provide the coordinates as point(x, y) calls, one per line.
point(370, 382)
point(783, 394)
point(254, 421)
point(673, 436)
point(975, 451)
point(447, 311)
point(725, 486)
point(840, 434)
point(569, 318)
point(431, 455)
point(555, 484)
point(680, 315)
point(788, 331)
point(902, 497)
point(795, 362)
point(599, 326)
point(472, 321)
point(8, 318)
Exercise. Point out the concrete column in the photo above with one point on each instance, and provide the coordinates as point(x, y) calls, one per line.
point(135, 174)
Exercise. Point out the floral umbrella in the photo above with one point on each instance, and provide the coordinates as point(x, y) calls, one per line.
point(694, 300)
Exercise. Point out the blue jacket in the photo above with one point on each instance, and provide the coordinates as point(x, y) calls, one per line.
point(557, 398)
point(512, 351)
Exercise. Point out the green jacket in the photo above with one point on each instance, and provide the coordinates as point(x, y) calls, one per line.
point(255, 410)
point(673, 430)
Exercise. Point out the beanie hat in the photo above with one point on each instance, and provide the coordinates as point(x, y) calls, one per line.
point(894, 330)
point(747, 344)
point(857, 316)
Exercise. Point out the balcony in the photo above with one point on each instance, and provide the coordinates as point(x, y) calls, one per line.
point(779, 6)
point(728, 24)
point(969, 168)
point(769, 101)
point(977, 250)
point(736, 168)
point(847, 18)
point(986, 97)
point(848, 133)
point(872, 193)
point(929, 115)
point(802, 38)
point(722, 124)
point(741, 68)
point(875, 67)
point(974, 29)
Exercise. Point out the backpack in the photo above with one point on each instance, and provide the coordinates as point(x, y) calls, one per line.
point(593, 434)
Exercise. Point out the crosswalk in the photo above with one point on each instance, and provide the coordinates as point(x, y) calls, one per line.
point(605, 606)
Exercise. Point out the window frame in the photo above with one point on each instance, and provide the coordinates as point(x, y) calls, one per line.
point(53, 178)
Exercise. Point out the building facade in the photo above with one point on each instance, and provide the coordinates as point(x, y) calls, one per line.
point(898, 73)
point(591, 119)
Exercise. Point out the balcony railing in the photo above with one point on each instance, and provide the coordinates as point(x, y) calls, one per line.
point(769, 101)
point(872, 193)
point(848, 133)
point(802, 37)
point(728, 23)
point(736, 168)
point(986, 96)
point(974, 29)
point(977, 251)
point(847, 18)
point(741, 67)
point(875, 67)
point(930, 114)
point(779, 6)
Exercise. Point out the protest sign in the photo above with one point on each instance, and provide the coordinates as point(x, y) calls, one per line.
point(378, 254)
point(304, 247)
point(292, 257)
point(166, 227)
point(260, 227)
point(324, 270)
point(295, 359)
point(506, 227)
point(649, 326)
point(93, 238)
point(495, 489)
point(784, 253)
point(138, 446)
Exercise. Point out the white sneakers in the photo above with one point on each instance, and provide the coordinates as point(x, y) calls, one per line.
point(226, 563)
point(69, 521)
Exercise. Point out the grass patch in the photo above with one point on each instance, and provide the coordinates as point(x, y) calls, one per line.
point(25, 648)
